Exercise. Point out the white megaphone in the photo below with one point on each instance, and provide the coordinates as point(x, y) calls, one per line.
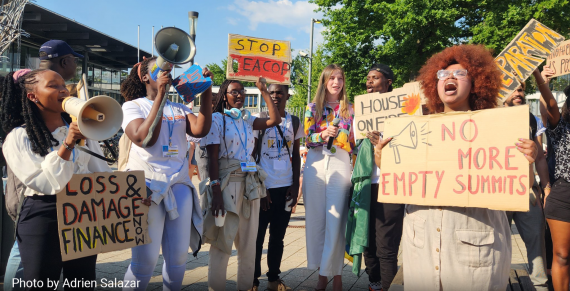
point(407, 138)
point(98, 118)
point(174, 46)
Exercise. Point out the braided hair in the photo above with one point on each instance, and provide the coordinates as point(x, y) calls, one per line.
point(18, 110)
point(133, 88)
point(221, 96)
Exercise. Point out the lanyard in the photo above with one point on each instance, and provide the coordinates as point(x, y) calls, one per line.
point(170, 124)
point(280, 144)
point(243, 144)
point(73, 151)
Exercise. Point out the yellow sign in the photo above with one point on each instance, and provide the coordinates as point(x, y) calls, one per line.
point(268, 58)
point(534, 43)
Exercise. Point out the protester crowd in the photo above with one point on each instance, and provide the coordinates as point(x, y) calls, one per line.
point(250, 171)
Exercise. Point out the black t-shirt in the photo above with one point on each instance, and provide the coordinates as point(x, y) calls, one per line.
point(533, 126)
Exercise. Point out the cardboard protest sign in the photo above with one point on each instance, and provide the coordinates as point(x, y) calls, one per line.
point(534, 43)
point(102, 212)
point(191, 83)
point(466, 159)
point(372, 110)
point(559, 59)
point(256, 57)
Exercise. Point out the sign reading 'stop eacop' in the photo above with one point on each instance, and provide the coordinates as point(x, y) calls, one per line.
point(102, 212)
point(256, 57)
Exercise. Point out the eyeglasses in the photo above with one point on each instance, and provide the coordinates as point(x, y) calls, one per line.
point(279, 93)
point(457, 74)
point(236, 93)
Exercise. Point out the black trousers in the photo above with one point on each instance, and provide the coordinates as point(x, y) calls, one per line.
point(38, 240)
point(384, 236)
point(278, 219)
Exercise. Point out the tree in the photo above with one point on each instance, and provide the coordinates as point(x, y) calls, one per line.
point(299, 76)
point(405, 33)
point(219, 72)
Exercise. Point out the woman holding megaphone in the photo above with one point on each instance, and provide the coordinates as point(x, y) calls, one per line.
point(40, 149)
point(236, 184)
point(326, 178)
point(174, 218)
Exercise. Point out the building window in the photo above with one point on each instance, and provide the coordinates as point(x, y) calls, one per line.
point(198, 101)
point(250, 101)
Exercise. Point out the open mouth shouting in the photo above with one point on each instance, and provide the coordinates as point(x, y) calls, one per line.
point(369, 88)
point(450, 87)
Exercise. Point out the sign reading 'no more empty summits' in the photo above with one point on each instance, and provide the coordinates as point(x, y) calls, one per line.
point(102, 212)
point(256, 57)
point(466, 159)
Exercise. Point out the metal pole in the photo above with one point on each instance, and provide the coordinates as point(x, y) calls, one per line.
point(152, 38)
point(310, 61)
point(139, 44)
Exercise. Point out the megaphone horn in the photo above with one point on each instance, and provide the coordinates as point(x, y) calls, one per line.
point(174, 46)
point(98, 118)
point(407, 138)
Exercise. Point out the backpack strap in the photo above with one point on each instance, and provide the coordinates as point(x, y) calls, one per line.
point(257, 152)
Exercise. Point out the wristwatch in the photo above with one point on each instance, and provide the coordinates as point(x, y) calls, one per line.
point(214, 183)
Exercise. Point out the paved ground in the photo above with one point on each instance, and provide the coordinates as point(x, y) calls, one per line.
point(113, 265)
point(295, 274)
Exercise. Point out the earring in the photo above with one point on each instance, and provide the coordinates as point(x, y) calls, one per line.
point(36, 101)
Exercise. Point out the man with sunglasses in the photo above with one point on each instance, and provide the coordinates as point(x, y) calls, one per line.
point(531, 224)
point(277, 152)
point(58, 56)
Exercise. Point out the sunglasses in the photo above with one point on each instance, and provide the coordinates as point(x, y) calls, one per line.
point(457, 74)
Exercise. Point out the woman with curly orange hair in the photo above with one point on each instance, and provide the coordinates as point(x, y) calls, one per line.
point(458, 248)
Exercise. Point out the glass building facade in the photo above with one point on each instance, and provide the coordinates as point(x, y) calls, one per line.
point(101, 80)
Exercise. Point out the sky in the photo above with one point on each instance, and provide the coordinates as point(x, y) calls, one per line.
point(273, 19)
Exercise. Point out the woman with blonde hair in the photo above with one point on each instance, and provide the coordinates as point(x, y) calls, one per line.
point(326, 182)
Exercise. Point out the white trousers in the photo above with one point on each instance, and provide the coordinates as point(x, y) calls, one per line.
point(173, 235)
point(326, 186)
point(244, 242)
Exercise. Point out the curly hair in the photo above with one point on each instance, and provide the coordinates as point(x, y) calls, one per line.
point(222, 99)
point(133, 88)
point(481, 67)
point(18, 110)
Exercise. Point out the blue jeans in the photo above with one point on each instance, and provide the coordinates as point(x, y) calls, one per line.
point(14, 269)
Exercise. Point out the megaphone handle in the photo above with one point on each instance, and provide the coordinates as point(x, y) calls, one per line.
point(81, 142)
point(157, 119)
point(397, 154)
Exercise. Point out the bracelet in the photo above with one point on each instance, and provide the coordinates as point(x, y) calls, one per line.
point(547, 186)
point(214, 183)
point(541, 84)
point(67, 147)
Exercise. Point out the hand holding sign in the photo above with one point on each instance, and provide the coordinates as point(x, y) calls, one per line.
point(465, 159)
point(192, 82)
point(258, 56)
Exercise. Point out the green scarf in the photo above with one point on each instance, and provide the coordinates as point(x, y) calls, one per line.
point(359, 209)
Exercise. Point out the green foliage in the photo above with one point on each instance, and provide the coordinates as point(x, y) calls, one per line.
point(299, 77)
point(219, 72)
point(405, 33)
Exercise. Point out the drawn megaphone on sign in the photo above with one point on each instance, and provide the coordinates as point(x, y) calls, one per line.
point(407, 138)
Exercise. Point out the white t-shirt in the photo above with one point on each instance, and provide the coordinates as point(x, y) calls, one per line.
point(237, 132)
point(283, 177)
point(140, 108)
